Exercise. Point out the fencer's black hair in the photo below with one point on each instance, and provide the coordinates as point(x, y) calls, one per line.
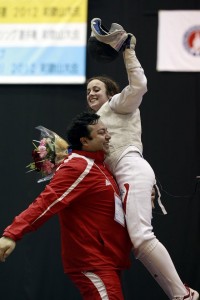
point(112, 87)
point(79, 128)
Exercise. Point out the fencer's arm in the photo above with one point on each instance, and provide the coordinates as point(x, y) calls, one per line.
point(7, 246)
point(131, 96)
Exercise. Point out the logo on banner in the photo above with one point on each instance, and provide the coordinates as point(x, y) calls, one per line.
point(191, 41)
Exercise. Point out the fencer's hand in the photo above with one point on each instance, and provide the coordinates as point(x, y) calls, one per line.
point(7, 246)
point(153, 196)
point(130, 42)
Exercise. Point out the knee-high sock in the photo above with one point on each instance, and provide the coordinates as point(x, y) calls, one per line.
point(158, 262)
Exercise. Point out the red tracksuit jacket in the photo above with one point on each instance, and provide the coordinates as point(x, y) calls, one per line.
point(82, 194)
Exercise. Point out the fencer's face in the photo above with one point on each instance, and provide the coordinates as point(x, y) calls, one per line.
point(96, 94)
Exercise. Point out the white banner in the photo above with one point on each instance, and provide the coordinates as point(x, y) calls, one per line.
point(43, 41)
point(178, 46)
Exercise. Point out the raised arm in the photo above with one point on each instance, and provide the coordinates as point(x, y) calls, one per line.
point(131, 96)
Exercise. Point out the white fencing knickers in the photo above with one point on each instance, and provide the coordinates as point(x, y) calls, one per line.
point(136, 179)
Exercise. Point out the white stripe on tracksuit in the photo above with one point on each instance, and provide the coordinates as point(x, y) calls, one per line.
point(74, 185)
point(98, 283)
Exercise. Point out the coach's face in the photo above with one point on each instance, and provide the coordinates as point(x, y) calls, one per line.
point(98, 140)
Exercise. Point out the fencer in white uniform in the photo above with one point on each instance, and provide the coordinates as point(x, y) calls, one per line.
point(134, 175)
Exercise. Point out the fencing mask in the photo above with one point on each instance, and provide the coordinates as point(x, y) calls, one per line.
point(104, 45)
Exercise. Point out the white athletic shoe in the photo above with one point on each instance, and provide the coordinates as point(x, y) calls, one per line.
point(192, 294)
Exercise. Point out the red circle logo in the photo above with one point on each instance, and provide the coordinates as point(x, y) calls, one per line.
point(191, 40)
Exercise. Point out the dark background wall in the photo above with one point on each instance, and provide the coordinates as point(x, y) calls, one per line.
point(171, 136)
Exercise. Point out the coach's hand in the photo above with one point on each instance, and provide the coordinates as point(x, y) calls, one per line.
point(7, 246)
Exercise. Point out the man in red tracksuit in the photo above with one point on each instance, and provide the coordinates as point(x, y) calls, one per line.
point(95, 242)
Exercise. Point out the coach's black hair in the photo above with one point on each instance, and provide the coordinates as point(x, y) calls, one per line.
point(79, 128)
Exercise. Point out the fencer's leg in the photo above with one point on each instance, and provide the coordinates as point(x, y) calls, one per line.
point(136, 184)
point(158, 262)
